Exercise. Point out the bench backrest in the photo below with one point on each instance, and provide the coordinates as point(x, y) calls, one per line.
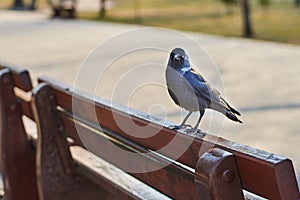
point(17, 156)
point(261, 173)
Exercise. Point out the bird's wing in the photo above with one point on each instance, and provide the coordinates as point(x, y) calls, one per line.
point(198, 84)
point(173, 96)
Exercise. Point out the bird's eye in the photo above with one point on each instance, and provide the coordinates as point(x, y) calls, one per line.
point(178, 57)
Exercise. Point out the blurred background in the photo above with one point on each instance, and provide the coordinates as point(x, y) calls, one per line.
point(276, 20)
point(250, 52)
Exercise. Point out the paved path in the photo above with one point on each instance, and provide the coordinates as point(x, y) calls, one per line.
point(260, 78)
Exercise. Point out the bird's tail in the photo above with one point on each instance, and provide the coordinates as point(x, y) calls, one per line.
point(231, 115)
point(231, 108)
point(222, 106)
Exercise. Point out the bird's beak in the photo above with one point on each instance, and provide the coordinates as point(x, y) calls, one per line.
point(177, 57)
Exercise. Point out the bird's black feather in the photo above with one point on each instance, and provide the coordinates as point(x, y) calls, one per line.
point(231, 108)
point(232, 116)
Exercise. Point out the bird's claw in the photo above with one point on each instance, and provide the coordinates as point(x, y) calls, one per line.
point(186, 126)
point(177, 127)
point(192, 131)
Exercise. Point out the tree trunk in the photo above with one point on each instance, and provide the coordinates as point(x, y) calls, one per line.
point(33, 5)
point(246, 18)
point(102, 8)
point(18, 4)
point(297, 3)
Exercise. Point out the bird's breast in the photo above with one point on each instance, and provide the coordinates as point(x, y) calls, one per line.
point(182, 92)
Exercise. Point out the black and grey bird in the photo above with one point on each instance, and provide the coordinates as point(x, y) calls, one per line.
point(191, 91)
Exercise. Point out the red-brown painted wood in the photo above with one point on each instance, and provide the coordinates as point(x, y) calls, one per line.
point(21, 76)
point(17, 154)
point(217, 176)
point(260, 171)
point(56, 170)
point(169, 179)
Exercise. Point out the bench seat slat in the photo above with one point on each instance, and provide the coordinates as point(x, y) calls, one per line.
point(92, 167)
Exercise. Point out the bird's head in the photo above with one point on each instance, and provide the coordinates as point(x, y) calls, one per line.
point(178, 59)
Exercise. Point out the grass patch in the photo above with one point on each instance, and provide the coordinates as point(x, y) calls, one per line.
point(278, 22)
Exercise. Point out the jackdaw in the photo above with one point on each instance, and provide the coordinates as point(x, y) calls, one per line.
point(191, 91)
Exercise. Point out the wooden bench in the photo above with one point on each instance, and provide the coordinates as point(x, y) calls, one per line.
point(63, 8)
point(77, 132)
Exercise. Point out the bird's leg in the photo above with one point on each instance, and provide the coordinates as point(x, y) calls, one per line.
point(193, 130)
point(185, 119)
point(183, 122)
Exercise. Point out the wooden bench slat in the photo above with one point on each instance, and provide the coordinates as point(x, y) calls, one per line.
point(92, 167)
point(21, 76)
point(26, 109)
point(260, 171)
point(107, 148)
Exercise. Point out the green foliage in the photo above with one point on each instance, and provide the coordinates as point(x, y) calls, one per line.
point(264, 3)
point(229, 2)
